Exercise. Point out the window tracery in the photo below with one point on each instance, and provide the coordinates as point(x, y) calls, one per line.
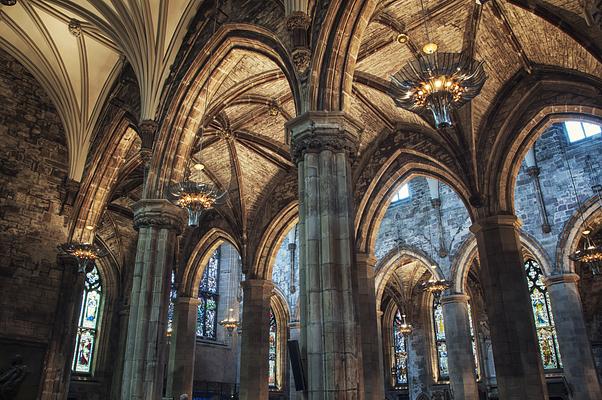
point(542, 313)
point(400, 353)
point(273, 352)
point(440, 342)
point(87, 329)
point(206, 327)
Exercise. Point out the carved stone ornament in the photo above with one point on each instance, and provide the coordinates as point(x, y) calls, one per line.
point(75, 28)
point(316, 132)
point(298, 20)
point(593, 12)
point(158, 213)
point(147, 130)
point(301, 59)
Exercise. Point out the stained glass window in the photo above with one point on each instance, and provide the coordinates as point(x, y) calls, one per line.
point(206, 320)
point(440, 343)
point(172, 303)
point(542, 312)
point(87, 329)
point(473, 341)
point(273, 352)
point(400, 353)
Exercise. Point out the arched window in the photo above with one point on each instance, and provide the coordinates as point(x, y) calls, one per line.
point(542, 313)
point(400, 352)
point(206, 326)
point(87, 329)
point(173, 293)
point(440, 343)
point(273, 352)
point(473, 341)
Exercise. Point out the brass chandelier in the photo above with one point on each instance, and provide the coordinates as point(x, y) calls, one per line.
point(405, 328)
point(85, 253)
point(435, 285)
point(589, 254)
point(436, 82)
point(195, 197)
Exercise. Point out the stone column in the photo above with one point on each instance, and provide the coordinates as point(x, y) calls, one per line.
point(158, 223)
point(575, 348)
point(372, 355)
point(502, 275)
point(181, 351)
point(321, 145)
point(59, 356)
point(255, 341)
point(462, 374)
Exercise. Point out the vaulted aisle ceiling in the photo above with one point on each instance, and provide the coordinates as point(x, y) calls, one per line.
point(75, 50)
point(243, 144)
point(506, 37)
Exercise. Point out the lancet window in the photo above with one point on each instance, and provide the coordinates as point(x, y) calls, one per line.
point(400, 353)
point(206, 327)
point(542, 313)
point(439, 333)
point(87, 329)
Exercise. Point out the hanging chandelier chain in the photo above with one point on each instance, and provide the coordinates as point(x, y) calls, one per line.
point(425, 16)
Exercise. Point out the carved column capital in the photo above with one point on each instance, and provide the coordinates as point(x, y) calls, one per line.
point(317, 131)
point(562, 278)
point(147, 130)
point(158, 213)
point(301, 59)
point(298, 20)
point(454, 298)
point(494, 221)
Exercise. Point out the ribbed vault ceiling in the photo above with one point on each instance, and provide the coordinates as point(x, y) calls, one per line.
point(75, 47)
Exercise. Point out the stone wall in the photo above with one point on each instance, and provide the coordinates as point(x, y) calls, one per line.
point(33, 165)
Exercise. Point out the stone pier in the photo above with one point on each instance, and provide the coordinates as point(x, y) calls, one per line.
point(462, 375)
point(504, 282)
point(575, 349)
point(322, 143)
point(158, 222)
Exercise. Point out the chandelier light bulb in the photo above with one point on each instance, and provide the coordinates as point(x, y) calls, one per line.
point(402, 38)
point(199, 166)
point(430, 48)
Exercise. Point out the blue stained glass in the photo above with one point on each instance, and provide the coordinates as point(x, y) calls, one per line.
point(88, 323)
point(400, 354)
point(208, 296)
point(273, 352)
point(172, 304)
point(542, 314)
point(439, 328)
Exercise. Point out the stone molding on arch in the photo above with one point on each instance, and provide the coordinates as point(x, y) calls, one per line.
point(100, 178)
point(194, 266)
point(468, 252)
point(182, 117)
point(522, 110)
point(387, 265)
point(570, 236)
point(386, 169)
point(337, 33)
point(271, 240)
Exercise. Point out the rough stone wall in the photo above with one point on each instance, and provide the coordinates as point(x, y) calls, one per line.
point(414, 222)
point(33, 165)
point(556, 185)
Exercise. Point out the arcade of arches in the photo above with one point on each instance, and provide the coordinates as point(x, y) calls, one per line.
point(340, 209)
